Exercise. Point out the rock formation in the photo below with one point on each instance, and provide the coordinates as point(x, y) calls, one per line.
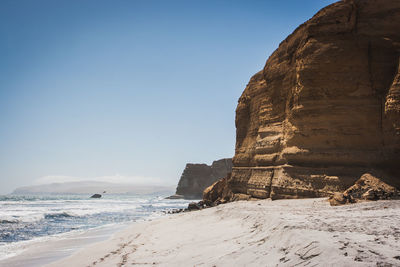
point(196, 177)
point(217, 193)
point(326, 107)
point(220, 192)
point(366, 188)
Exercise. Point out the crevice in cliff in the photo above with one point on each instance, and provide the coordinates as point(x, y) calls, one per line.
point(369, 56)
point(353, 17)
point(374, 89)
point(270, 183)
point(382, 117)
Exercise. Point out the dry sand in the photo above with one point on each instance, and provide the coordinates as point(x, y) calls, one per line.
point(305, 232)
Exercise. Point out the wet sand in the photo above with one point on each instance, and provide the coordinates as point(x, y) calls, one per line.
point(42, 251)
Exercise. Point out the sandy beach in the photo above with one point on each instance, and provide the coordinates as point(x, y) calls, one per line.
point(306, 232)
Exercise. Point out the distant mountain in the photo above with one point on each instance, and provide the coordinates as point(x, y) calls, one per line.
point(92, 187)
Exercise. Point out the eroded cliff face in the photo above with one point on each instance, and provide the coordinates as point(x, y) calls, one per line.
point(197, 177)
point(326, 107)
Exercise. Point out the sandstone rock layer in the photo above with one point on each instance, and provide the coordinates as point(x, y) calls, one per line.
point(326, 107)
point(197, 177)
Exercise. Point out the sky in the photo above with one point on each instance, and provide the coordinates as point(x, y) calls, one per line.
point(128, 90)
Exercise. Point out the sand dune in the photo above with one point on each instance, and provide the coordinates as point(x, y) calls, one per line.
point(305, 232)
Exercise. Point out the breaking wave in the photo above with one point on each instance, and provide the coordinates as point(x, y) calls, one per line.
point(58, 215)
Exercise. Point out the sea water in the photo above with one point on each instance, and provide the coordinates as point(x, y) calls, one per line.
point(35, 217)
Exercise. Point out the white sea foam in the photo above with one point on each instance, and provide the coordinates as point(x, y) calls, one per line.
point(24, 220)
point(25, 211)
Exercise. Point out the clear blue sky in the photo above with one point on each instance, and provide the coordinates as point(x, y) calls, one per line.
point(92, 88)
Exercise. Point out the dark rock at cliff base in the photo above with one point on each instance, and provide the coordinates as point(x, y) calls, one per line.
point(326, 107)
point(196, 177)
point(367, 188)
point(194, 206)
point(96, 196)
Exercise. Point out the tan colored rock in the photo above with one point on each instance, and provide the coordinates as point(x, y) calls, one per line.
point(239, 197)
point(218, 193)
point(366, 188)
point(326, 107)
point(338, 199)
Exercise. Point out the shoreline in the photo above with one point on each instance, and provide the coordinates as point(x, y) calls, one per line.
point(256, 233)
point(49, 229)
point(48, 249)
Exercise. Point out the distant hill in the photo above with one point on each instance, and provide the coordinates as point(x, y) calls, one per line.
point(91, 187)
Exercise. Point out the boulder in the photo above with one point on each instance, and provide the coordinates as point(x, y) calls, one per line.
point(218, 193)
point(175, 197)
point(194, 206)
point(367, 188)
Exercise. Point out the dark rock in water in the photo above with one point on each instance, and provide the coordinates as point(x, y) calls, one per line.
point(366, 188)
point(96, 196)
point(175, 197)
point(197, 177)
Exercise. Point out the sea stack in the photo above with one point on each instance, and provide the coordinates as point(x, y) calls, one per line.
point(197, 177)
point(326, 107)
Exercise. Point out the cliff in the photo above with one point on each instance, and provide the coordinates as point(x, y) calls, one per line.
point(196, 177)
point(326, 107)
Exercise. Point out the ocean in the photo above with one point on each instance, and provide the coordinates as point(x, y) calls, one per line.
point(31, 218)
